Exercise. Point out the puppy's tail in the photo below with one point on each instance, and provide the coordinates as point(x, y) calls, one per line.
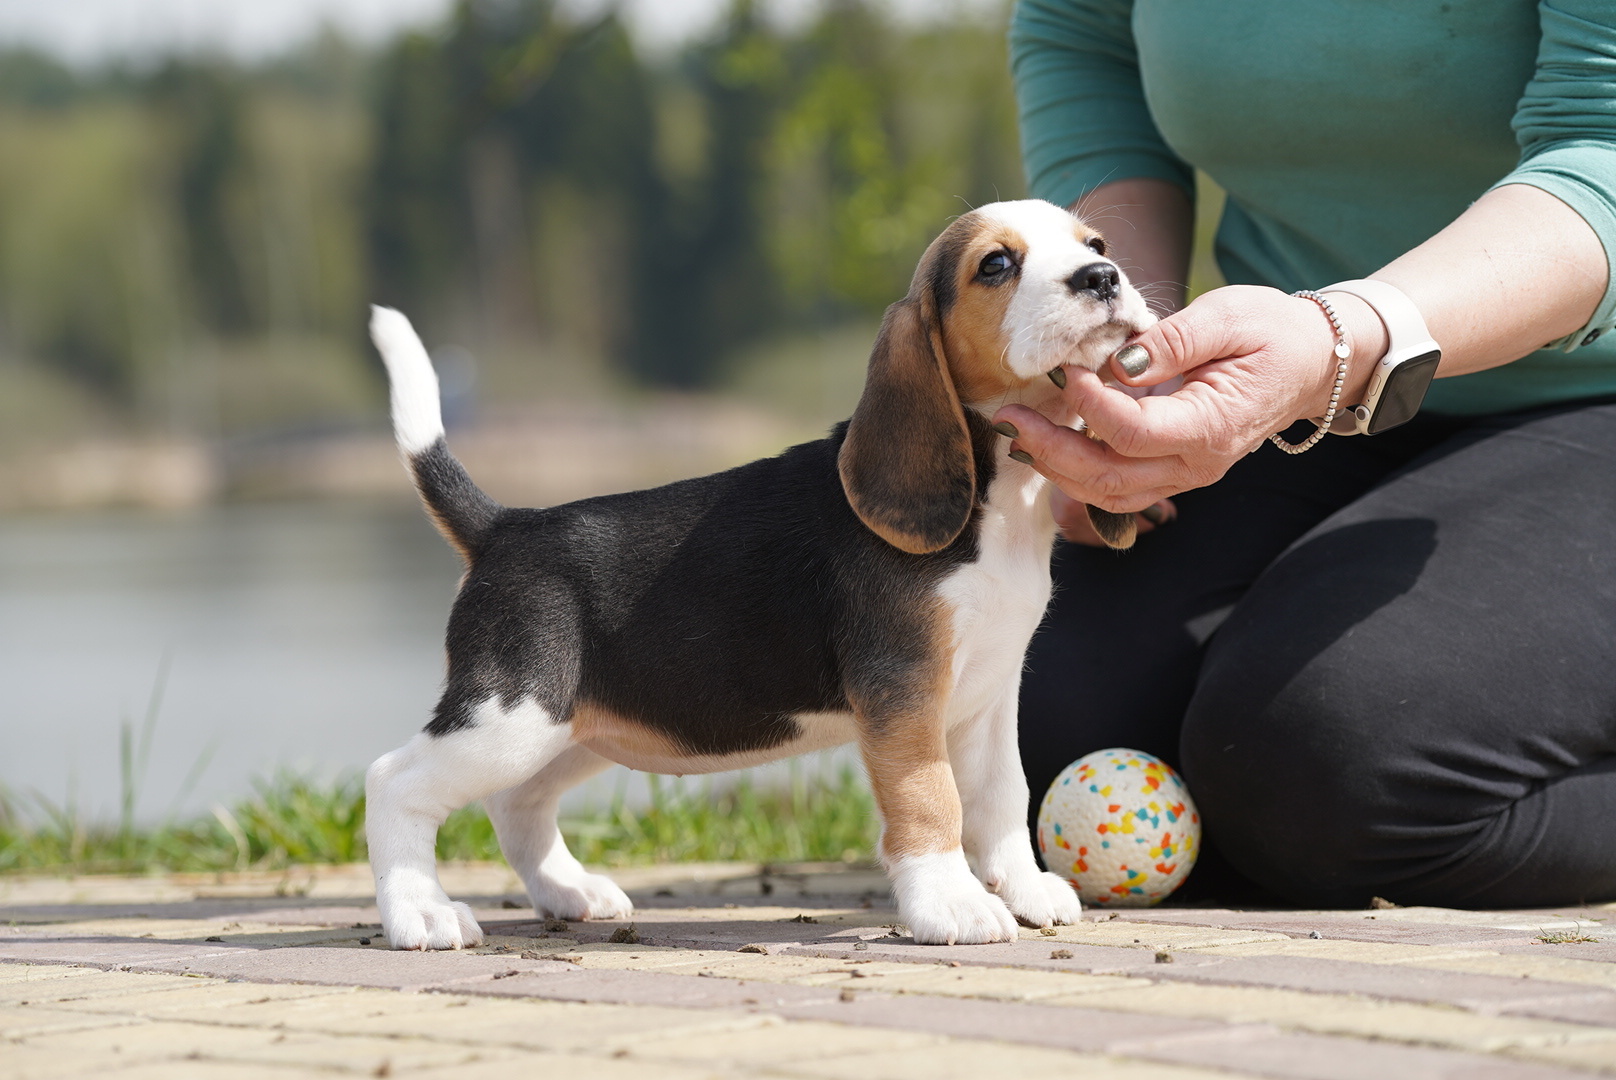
point(462, 512)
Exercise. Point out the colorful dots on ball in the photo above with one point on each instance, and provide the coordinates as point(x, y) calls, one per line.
point(1121, 827)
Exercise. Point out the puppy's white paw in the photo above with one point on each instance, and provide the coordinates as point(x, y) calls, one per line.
point(417, 915)
point(580, 896)
point(943, 904)
point(1040, 899)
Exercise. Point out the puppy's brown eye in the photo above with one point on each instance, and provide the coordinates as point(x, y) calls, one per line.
point(1096, 244)
point(995, 266)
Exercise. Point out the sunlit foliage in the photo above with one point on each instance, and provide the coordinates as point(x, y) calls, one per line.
point(190, 249)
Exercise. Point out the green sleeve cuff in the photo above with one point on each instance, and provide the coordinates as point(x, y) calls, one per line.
point(1566, 126)
point(1581, 174)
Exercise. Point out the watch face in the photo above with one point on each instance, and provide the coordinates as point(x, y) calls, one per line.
point(1405, 389)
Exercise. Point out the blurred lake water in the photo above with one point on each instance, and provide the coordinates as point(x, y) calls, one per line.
point(305, 635)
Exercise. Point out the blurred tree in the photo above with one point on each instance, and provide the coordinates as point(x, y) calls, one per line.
point(520, 180)
point(710, 287)
point(501, 134)
point(30, 77)
point(201, 105)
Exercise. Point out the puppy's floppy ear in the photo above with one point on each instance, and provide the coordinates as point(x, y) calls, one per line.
point(906, 464)
point(1117, 530)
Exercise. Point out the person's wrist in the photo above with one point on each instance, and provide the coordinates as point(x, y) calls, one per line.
point(1366, 335)
point(1366, 338)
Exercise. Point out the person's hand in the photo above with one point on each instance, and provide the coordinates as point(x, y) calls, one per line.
point(1253, 360)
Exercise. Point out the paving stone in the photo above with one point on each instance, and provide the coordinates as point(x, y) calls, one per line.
point(1151, 936)
point(33, 917)
point(1033, 954)
point(1352, 926)
point(1604, 953)
point(1339, 1015)
point(523, 1024)
point(317, 916)
point(653, 988)
point(1072, 1028)
point(90, 1057)
point(1583, 1009)
point(354, 967)
point(1519, 917)
point(171, 1041)
point(216, 1070)
point(1388, 994)
point(772, 1042)
point(1257, 1048)
point(21, 1021)
point(1600, 1055)
point(1001, 984)
point(186, 930)
point(959, 1059)
point(106, 952)
point(192, 997)
point(529, 1065)
point(723, 962)
point(932, 978)
point(1367, 952)
point(1486, 993)
point(1320, 1057)
point(88, 984)
point(1532, 966)
point(15, 971)
point(302, 1008)
point(653, 928)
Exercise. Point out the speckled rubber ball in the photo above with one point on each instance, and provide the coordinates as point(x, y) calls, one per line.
point(1121, 827)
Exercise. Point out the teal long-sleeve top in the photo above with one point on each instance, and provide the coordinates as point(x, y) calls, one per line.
point(1345, 133)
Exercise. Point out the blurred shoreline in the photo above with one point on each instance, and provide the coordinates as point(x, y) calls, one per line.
point(537, 455)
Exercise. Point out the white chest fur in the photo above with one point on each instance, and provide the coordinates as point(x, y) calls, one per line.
point(998, 600)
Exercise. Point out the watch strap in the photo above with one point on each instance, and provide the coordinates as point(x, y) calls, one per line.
point(1403, 321)
point(1406, 337)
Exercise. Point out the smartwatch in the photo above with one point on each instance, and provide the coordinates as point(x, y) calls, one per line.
point(1398, 384)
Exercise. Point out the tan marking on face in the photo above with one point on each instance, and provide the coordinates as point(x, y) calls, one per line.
point(973, 328)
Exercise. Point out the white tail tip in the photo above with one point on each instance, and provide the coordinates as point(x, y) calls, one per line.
point(417, 418)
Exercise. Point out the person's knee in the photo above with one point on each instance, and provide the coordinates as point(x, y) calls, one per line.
point(1293, 792)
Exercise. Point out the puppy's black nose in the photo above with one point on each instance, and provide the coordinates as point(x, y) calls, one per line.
point(1100, 279)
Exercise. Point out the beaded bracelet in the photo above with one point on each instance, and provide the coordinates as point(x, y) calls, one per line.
point(1343, 353)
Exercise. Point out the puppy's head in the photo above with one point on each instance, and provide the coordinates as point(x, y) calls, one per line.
point(1008, 293)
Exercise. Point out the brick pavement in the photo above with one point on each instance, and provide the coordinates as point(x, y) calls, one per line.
point(735, 970)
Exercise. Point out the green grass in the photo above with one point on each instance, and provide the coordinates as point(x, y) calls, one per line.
point(290, 820)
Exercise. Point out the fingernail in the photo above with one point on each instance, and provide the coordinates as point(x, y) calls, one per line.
point(1021, 456)
point(1058, 377)
point(1006, 428)
point(1153, 514)
point(1134, 360)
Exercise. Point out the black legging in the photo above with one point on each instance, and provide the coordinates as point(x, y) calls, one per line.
point(1386, 667)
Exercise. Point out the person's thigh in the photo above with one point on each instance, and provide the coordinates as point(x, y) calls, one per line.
point(1418, 699)
point(1115, 661)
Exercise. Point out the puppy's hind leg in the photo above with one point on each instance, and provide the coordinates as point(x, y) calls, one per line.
point(525, 820)
point(993, 796)
point(410, 791)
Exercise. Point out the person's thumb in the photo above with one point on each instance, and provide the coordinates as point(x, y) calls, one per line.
point(1184, 340)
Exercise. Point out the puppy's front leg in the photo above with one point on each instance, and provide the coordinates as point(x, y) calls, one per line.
point(993, 790)
point(939, 900)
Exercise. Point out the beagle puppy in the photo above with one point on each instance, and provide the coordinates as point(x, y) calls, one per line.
point(878, 586)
